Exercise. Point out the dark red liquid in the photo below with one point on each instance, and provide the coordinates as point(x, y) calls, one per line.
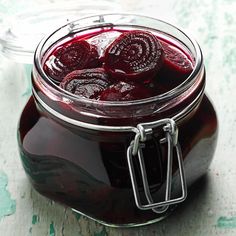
point(170, 70)
point(88, 171)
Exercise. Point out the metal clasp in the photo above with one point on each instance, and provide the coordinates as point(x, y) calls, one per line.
point(135, 151)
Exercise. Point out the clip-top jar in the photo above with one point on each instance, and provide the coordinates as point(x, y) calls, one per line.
point(120, 163)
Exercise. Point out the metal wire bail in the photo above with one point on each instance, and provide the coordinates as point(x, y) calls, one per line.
point(135, 151)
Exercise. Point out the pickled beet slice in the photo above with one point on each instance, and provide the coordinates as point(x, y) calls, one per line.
point(87, 83)
point(175, 69)
point(133, 55)
point(74, 56)
point(123, 91)
point(176, 60)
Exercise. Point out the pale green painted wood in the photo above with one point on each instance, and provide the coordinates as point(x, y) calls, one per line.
point(211, 210)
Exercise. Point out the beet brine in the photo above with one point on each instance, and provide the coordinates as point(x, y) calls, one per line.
point(118, 65)
point(118, 126)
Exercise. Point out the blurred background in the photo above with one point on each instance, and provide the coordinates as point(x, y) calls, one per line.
point(212, 210)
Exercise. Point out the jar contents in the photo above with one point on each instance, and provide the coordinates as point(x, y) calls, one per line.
point(87, 169)
point(118, 65)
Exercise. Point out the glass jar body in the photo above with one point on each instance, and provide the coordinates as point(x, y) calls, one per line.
point(87, 169)
point(89, 172)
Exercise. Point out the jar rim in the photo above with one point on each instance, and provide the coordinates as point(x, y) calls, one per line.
point(187, 83)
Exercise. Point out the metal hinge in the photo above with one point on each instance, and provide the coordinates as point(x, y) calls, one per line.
point(135, 151)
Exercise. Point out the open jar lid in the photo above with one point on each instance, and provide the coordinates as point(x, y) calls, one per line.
point(21, 31)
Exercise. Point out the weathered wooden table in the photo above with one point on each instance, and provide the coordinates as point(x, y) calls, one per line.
point(210, 210)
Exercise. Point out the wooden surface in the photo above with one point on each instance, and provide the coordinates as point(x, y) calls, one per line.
point(210, 210)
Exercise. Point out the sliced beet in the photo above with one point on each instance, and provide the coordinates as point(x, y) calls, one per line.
point(176, 60)
point(74, 56)
point(134, 55)
point(123, 91)
point(175, 69)
point(87, 83)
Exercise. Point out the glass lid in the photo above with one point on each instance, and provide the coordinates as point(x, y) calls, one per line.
point(22, 29)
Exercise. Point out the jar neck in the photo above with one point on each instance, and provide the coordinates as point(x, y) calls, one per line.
point(176, 107)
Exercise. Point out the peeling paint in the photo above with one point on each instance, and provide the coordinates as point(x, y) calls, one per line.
point(226, 222)
point(52, 229)
point(35, 219)
point(77, 215)
point(102, 233)
point(30, 231)
point(7, 205)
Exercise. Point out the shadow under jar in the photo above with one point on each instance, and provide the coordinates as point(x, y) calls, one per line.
point(119, 163)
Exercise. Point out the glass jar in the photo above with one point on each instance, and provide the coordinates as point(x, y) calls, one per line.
point(119, 163)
